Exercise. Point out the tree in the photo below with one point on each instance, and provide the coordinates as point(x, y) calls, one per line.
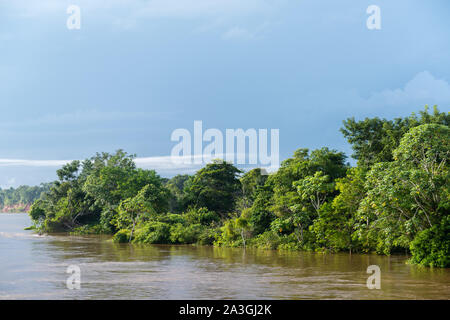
point(37, 212)
point(133, 210)
point(89, 192)
point(287, 202)
point(114, 178)
point(335, 226)
point(22, 196)
point(177, 187)
point(215, 187)
point(431, 247)
point(250, 182)
point(243, 224)
point(316, 189)
point(411, 193)
point(260, 214)
point(373, 140)
point(235, 228)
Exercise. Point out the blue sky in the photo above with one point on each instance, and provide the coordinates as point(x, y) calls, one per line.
point(137, 70)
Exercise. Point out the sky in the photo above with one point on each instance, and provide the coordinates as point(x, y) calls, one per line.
point(137, 70)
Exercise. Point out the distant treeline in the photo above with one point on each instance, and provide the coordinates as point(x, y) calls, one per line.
point(21, 198)
point(396, 199)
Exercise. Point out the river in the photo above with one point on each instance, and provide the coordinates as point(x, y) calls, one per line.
point(35, 267)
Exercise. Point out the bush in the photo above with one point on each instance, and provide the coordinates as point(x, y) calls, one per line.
point(153, 232)
point(289, 242)
point(431, 247)
point(261, 220)
point(122, 236)
point(185, 234)
point(171, 218)
point(208, 236)
point(89, 229)
point(267, 240)
point(282, 226)
point(37, 212)
point(202, 216)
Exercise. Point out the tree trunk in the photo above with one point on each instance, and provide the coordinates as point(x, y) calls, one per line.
point(132, 231)
point(301, 234)
point(243, 238)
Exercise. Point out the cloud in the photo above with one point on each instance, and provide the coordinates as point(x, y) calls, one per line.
point(422, 89)
point(165, 165)
point(32, 163)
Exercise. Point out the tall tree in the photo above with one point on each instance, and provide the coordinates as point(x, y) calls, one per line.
point(374, 140)
point(216, 187)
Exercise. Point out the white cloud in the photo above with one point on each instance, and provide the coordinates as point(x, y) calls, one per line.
point(165, 165)
point(32, 163)
point(422, 89)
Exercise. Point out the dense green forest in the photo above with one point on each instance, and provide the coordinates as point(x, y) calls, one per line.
point(20, 199)
point(396, 199)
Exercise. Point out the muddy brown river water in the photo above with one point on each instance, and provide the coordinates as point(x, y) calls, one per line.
point(35, 267)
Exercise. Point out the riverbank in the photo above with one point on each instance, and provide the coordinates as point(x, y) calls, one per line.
point(287, 245)
point(16, 208)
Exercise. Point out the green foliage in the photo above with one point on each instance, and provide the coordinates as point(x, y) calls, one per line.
point(396, 199)
point(122, 236)
point(409, 194)
point(373, 140)
point(208, 236)
point(180, 233)
point(91, 192)
point(215, 187)
point(431, 247)
point(178, 196)
point(286, 198)
point(260, 214)
point(133, 210)
point(267, 240)
point(37, 211)
point(22, 196)
point(201, 216)
point(316, 189)
point(89, 229)
point(251, 183)
point(153, 232)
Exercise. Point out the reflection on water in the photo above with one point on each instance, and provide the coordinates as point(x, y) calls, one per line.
point(34, 267)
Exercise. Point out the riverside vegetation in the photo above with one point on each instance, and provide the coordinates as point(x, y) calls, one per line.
point(396, 199)
point(21, 198)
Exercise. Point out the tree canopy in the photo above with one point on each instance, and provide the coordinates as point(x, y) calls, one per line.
point(396, 199)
